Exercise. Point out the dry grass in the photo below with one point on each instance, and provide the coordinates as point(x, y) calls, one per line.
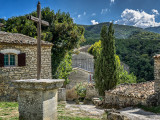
point(71, 94)
point(9, 111)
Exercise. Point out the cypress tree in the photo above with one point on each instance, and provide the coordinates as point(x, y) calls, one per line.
point(106, 75)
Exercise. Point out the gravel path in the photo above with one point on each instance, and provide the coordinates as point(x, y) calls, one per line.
point(89, 110)
point(139, 114)
point(92, 111)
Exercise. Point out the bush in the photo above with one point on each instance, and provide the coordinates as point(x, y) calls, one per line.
point(81, 90)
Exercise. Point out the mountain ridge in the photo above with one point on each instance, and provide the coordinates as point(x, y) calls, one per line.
point(92, 32)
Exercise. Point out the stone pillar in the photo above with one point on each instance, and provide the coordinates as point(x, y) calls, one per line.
point(62, 94)
point(157, 73)
point(37, 99)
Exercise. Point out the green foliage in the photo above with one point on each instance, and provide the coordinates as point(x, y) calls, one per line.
point(81, 90)
point(106, 75)
point(138, 54)
point(66, 36)
point(8, 104)
point(92, 32)
point(153, 29)
point(150, 109)
point(137, 51)
point(65, 68)
point(62, 32)
point(95, 49)
point(124, 76)
point(144, 36)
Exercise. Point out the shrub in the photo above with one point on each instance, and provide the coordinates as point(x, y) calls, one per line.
point(81, 90)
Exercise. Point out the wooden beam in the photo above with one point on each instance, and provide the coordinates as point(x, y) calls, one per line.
point(37, 20)
point(39, 41)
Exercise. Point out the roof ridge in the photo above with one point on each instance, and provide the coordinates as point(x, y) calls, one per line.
point(18, 38)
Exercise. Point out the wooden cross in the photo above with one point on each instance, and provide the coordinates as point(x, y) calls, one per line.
point(39, 22)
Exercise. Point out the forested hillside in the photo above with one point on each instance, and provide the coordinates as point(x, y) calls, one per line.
point(135, 47)
point(138, 54)
point(92, 32)
point(153, 29)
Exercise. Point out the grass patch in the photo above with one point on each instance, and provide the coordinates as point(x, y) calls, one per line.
point(8, 104)
point(9, 111)
point(150, 109)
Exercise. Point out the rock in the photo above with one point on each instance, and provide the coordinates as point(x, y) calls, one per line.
point(116, 116)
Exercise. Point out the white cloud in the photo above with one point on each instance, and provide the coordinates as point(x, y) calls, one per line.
point(93, 14)
point(94, 22)
point(137, 18)
point(103, 11)
point(84, 13)
point(5, 17)
point(74, 20)
point(79, 16)
point(155, 11)
point(112, 1)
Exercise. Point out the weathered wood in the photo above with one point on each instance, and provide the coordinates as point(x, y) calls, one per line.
point(39, 22)
point(39, 41)
point(45, 23)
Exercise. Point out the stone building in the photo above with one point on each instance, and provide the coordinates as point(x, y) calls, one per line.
point(79, 76)
point(129, 94)
point(18, 60)
point(84, 61)
point(147, 93)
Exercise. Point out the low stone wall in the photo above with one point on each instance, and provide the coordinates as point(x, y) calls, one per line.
point(62, 94)
point(118, 101)
point(77, 76)
point(129, 95)
point(91, 92)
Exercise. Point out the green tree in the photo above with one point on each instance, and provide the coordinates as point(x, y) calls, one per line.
point(106, 73)
point(62, 32)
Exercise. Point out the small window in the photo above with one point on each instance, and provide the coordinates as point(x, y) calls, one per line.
point(9, 60)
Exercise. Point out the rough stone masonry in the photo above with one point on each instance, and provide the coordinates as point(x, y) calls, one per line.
point(14, 43)
point(147, 93)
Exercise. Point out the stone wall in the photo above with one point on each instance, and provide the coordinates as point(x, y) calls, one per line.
point(78, 76)
point(7, 91)
point(156, 98)
point(83, 60)
point(157, 72)
point(129, 94)
point(62, 94)
point(91, 92)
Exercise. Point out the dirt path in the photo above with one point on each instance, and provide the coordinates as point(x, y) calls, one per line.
point(84, 110)
point(139, 114)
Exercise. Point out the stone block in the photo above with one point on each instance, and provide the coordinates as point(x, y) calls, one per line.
point(62, 94)
point(37, 99)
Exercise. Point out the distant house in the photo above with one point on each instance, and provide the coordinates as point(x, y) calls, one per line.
point(18, 60)
point(85, 62)
point(79, 76)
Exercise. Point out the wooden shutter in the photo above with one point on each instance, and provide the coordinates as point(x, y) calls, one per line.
point(1, 60)
point(22, 59)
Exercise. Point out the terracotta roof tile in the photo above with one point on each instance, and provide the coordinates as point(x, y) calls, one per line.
point(139, 90)
point(157, 56)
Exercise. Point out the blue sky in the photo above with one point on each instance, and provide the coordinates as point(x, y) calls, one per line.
point(140, 13)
